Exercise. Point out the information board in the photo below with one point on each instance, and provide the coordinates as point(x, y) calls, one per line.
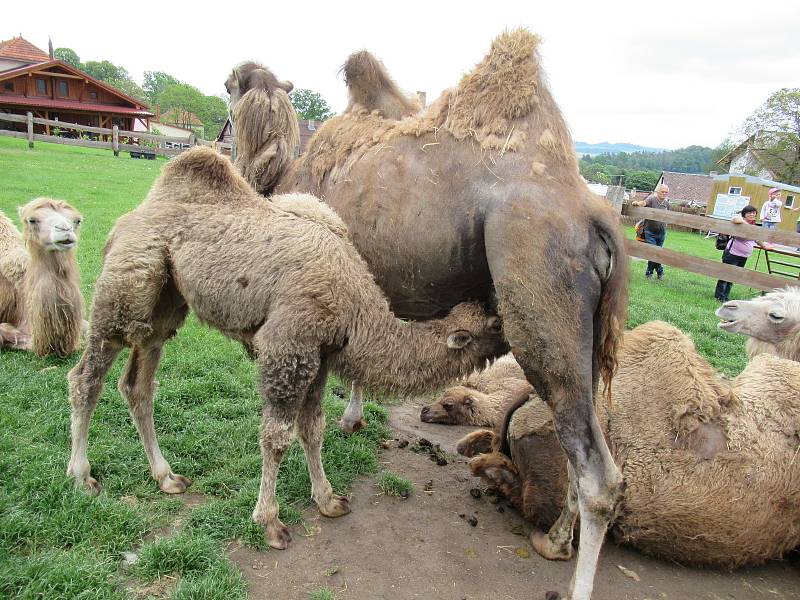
point(728, 205)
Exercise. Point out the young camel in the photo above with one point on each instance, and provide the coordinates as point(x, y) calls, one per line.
point(292, 289)
point(41, 306)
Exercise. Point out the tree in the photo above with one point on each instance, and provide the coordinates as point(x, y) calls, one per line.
point(642, 180)
point(310, 105)
point(775, 126)
point(115, 76)
point(69, 56)
point(187, 100)
point(155, 82)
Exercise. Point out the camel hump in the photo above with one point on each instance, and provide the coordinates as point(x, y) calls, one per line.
point(371, 88)
point(203, 175)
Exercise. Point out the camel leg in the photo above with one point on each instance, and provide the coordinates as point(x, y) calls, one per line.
point(310, 429)
point(18, 338)
point(353, 417)
point(85, 385)
point(287, 373)
point(137, 385)
point(556, 544)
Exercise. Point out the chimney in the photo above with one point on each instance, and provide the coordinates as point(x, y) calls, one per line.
point(422, 96)
point(50, 47)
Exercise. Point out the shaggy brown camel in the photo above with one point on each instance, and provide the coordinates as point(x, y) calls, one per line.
point(479, 196)
point(772, 322)
point(709, 464)
point(41, 306)
point(293, 290)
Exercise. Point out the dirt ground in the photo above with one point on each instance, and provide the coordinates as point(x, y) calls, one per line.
point(422, 547)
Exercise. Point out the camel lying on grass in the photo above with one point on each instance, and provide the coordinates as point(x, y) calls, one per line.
point(711, 466)
point(41, 306)
point(292, 289)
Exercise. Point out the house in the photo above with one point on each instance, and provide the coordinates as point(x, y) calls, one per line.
point(182, 119)
point(687, 189)
point(731, 192)
point(32, 81)
point(746, 158)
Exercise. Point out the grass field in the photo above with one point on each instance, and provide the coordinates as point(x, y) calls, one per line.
point(56, 542)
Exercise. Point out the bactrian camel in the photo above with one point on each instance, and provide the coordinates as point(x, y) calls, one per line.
point(479, 196)
point(41, 306)
point(711, 467)
point(292, 289)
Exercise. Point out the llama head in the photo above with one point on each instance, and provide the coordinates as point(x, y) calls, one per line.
point(50, 225)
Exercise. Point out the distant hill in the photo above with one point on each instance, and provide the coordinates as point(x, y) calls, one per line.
point(582, 148)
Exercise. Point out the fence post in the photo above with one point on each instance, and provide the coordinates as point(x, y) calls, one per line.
point(115, 140)
point(30, 129)
point(615, 195)
point(192, 140)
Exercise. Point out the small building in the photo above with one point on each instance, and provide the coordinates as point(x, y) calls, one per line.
point(32, 81)
point(748, 157)
point(731, 192)
point(182, 119)
point(307, 130)
point(687, 189)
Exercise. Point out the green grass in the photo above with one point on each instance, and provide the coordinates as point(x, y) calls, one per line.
point(393, 484)
point(57, 542)
point(322, 593)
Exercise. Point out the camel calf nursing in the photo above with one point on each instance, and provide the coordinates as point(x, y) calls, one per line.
point(293, 290)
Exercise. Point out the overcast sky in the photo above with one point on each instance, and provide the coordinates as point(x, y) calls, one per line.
point(666, 74)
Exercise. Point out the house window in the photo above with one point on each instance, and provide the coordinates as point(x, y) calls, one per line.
point(789, 201)
point(735, 191)
point(41, 87)
point(8, 86)
point(93, 95)
point(63, 88)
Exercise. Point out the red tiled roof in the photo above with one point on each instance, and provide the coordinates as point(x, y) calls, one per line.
point(688, 186)
point(72, 106)
point(19, 48)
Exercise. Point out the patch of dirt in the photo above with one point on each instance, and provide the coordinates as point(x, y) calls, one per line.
point(447, 543)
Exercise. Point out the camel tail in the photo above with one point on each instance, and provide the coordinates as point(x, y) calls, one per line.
point(520, 398)
point(370, 87)
point(200, 176)
point(612, 308)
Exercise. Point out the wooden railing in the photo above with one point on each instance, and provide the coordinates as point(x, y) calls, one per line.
point(702, 266)
point(114, 134)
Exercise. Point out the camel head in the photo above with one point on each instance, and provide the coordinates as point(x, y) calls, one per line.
point(772, 319)
point(453, 408)
point(251, 75)
point(473, 332)
point(50, 225)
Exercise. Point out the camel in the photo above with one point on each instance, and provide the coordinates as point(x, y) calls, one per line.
point(479, 196)
point(709, 464)
point(41, 306)
point(293, 290)
point(771, 322)
point(482, 399)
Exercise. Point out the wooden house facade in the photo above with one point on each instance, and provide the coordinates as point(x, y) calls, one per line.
point(31, 81)
point(732, 192)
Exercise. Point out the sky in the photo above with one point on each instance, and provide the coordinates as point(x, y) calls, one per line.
point(665, 75)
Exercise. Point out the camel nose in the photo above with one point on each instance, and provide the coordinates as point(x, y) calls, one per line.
point(425, 410)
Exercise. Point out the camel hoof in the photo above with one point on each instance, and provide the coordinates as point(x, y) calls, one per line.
point(545, 547)
point(336, 506)
point(175, 484)
point(351, 427)
point(277, 536)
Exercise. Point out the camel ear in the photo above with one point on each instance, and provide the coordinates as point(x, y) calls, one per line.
point(458, 339)
point(286, 86)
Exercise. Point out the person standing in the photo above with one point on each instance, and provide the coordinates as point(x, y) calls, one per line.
point(655, 232)
point(771, 211)
point(738, 250)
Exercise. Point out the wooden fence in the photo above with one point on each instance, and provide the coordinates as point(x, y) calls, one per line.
point(116, 142)
point(702, 266)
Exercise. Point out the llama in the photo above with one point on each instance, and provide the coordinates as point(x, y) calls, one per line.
point(293, 290)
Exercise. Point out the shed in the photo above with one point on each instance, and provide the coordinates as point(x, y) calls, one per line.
point(732, 192)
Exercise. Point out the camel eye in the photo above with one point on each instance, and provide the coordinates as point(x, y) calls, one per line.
point(78, 222)
point(448, 405)
point(776, 317)
point(32, 221)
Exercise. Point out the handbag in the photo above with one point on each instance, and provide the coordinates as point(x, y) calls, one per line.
point(640, 231)
point(722, 241)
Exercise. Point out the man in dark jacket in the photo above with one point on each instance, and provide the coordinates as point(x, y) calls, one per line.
point(655, 231)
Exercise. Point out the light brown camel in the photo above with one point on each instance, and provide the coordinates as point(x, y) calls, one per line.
point(292, 289)
point(772, 322)
point(481, 399)
point(479, 196)
point(41, 306)
point(710, 465)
